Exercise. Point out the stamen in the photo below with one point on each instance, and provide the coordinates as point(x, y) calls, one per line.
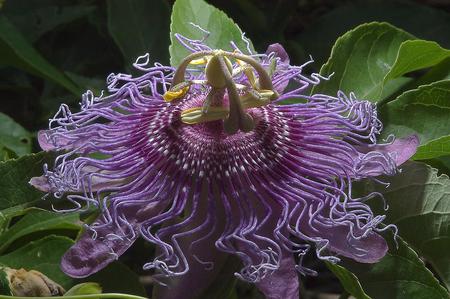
point(173, 95)
point(219, 74)
point(200, 61)
point(253, 98)
point(248, 72)
point(196, 115)
point(177, 91)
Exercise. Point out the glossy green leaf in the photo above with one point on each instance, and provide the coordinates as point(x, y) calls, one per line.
point(223, 30)
point(16, 51)
point(348, 280)
point(36, 221)
point(319, 36)
point(139, 27)
point(439, 72)
point(415, 55)
point(361, 58)
point(392, 87)
point(14, 178)
point(43, 255)
point(371, 59)
point(7, 214)
point(401, 274)
point(85, 288)
point(5, 288)
point(13, 136)
point(424, 111)
point(419, 204)
point(435, 148)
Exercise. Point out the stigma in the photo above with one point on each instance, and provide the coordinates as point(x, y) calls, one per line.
point(236, 83)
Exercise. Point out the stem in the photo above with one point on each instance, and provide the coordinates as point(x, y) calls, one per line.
point(90, 296)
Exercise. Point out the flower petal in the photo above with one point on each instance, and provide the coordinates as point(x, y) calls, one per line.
point(40, 183)
point(204, 259)
point(280, 82)
point(94, 180)
point(399, 151)
point(279, 52)
point(284, 282)
point(90, 255)
point(93, 252)
point(368, 249)
point(200, 275)
point(44, 141)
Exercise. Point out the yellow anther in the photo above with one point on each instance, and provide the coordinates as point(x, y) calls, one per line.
point(171, 95)
point(272, 67)
point(200, 61)
point(219, 76)
point(253, 98)
point(248, 71)
point(195, 115)
point(266, 93)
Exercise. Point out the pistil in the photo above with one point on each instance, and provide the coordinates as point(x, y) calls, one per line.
point(219, 76)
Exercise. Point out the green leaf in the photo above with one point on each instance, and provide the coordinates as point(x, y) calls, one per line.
point(14, 178)
point(419, 204)
point(222, 29)
point(139, 27)
point(111, 282)
point(43, 255)
point(435, 148)
point(392, 87)
point(5, 288)
point(424, 111)
point(361, 58)
point(86, 288)
point(348, 280)
point(35, 221)
point(439, 72)
point(16, 51)
point(319, 37)
point(415, 55)
point(370, 60)
point(401, 274)
point(7, 214)
point(13, 136)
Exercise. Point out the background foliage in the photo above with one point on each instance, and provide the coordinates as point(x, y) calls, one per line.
point(53, 50)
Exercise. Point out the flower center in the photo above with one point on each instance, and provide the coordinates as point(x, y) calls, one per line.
point(221, 76)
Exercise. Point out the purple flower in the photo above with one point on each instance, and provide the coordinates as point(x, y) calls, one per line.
point(205, 161)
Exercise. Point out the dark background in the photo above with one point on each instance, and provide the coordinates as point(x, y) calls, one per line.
point(80, 38)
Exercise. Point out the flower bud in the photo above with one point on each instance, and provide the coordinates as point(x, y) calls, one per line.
point(23, 283)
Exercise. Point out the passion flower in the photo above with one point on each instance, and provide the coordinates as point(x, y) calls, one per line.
point(204, 160)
